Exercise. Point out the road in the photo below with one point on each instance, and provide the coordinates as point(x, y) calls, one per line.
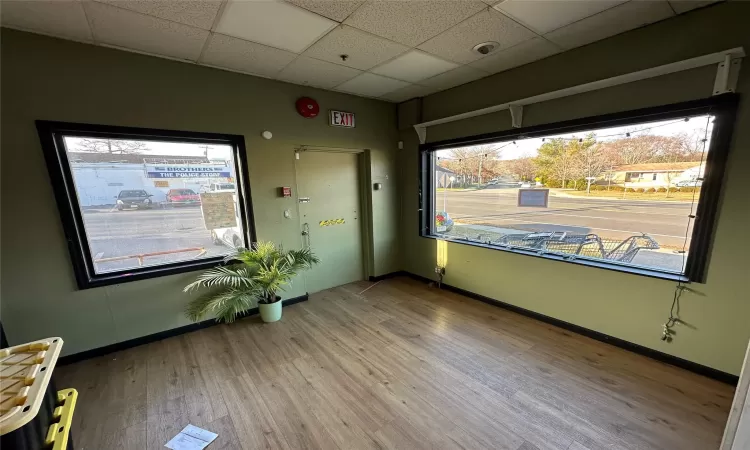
point(113, 233)
point(609, 218)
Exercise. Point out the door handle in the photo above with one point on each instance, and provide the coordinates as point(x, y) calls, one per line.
point(306, 233)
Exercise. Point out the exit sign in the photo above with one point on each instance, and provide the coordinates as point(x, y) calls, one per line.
point(341, 119)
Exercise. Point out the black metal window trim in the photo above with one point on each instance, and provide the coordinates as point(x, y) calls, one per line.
point(51, 135)
point(722, 107)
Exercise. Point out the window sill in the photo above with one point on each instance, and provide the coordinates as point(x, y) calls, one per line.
point(575, 260)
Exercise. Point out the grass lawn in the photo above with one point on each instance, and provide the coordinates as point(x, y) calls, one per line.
point(657, 196)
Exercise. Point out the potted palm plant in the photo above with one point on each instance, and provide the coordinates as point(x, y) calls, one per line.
point(249, 276)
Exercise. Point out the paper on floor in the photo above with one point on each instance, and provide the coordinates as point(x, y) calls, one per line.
point(191, 438)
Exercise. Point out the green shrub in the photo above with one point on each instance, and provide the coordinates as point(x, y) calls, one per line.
point(650, 190)
point(617, 188)
point(640, 190)
point(661, 189)
point(629, 190)
point(687, 189)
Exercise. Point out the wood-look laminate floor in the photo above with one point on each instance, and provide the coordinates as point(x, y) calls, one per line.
point(402, 366)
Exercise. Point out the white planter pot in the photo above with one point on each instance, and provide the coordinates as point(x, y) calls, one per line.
point(270, 312)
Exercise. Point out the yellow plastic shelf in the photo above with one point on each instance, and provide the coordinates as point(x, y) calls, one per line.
point(25, 371)
point(58, 432)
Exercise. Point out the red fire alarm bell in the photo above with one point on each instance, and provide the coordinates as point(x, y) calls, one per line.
point(307, 107)
point(285, 191)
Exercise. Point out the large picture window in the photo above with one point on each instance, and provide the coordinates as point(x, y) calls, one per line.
point(635, 191)
point(138, 203)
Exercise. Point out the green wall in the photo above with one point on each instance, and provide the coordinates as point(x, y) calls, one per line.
point(626, 306)
point(44, 78)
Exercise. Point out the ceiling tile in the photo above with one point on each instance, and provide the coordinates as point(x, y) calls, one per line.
point(518, 55)
point(544, 16)
point(414, 66)
point(198, 13)
point(457, 43)
point(63, 19)
point(313, 72)
point(681, 6)
point(364, 50)
point(274, 23)
point(408, 93)
point(123, 28)
point(455, 77)
point(412, 22)
point(337, 10)
point(613, 21)
point(371, 85)
point(236, 54)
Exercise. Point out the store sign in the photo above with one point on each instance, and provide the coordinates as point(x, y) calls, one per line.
point(187, 171)
point(341, 119)
point(533, 197)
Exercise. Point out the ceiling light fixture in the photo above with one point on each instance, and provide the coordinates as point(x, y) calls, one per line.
point(486, 47)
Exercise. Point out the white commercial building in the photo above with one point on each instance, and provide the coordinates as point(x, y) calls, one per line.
point(99, 178)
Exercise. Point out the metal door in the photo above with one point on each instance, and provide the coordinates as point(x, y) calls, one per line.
point(328, 189)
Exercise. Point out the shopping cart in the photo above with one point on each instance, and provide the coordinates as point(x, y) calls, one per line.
point(590, 245)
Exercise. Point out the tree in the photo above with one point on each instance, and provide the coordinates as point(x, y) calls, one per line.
point(113, 146)
point(650, 149)
point(591, 160)
point(523, 168)
point(560, 159)
point(473, 163)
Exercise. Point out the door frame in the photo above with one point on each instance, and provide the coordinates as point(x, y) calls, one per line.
point(365, 199)
point(737, 430)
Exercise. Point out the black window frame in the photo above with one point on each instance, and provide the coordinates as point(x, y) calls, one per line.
point(51, 135)
point(724, 109)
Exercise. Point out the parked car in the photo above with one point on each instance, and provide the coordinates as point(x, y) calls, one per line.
point(443, 222)
point(689, 183)
point(182, 197)
point(217, 187)
point(134, 199)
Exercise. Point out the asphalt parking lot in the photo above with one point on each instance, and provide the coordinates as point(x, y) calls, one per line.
point(113, 233)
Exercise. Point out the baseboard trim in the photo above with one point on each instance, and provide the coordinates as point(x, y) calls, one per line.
point(399, 273)
point(130, 343)
point(666, 358)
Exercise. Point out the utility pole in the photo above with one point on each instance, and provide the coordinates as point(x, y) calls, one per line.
point(481, 159)
point(588, 170)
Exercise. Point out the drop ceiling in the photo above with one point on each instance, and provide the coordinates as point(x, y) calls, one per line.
point(392, 50)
